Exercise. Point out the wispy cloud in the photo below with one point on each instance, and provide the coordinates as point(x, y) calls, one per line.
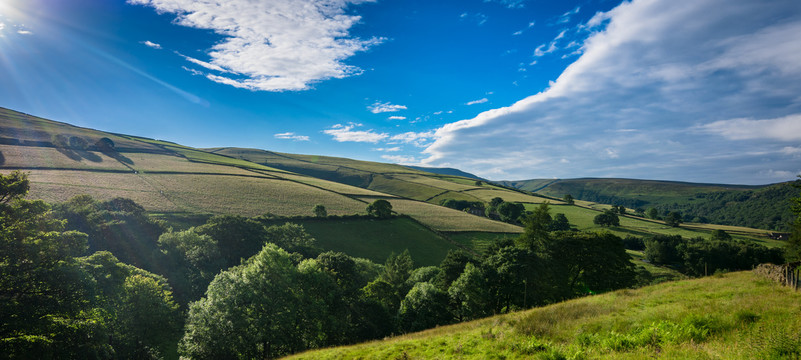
point(512, 4)
point(419, 139)
point(345, 133)
point(787, 128)
point(291, 136)
point(151, 44)
point(273, 45)
point(397, 118)
point(24, 32)
point(712, 88)
point(520, 32)
point(478, 18)
point(392, 149)
point(379, 107)
point(400, 159)
point(565, 18)
point(479, 101)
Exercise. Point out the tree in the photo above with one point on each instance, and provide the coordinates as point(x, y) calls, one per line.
point(720, 235)
point(264, 308)
point(652, 213)
point(425, 306)
point(194, 261)
point(494, 202)
point(560, 223)
point(380, 208)
point(320, 211)
point(590, 262)
point(568, 199)
point(510, 212)
point(607, 218)
point(792, 250)
point(237, 237)
point(451, 267)
point(470, 294)
point(537, 225)
point(673, 219)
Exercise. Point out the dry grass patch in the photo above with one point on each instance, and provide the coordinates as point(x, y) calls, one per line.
point(333, 186)
point(47, 157)
point(248, 196)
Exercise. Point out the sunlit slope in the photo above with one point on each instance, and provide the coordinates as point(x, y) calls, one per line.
point(387, 178)
point(733, 316)
point(64, 161)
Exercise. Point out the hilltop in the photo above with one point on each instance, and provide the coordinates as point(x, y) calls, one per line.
point(731, 316)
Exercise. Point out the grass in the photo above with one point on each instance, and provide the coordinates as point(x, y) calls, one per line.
point(731, 316)
point(511, 196)
point(478, 241)
point(582, 218)
point(444, 219)
point(395, 186)
point(250, 196)
point(375, 239)
point(659, 273)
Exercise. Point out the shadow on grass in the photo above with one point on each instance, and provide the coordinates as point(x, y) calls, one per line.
point(2, 158)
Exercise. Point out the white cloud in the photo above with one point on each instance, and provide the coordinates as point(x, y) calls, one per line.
point(291, 136)
point(273, 45)
point(24, 32)
point(401, 159)
point(419, 139)
point(791, 150)
point(345, 133)
point(193, 71)
point(151, 44)
point(786, 128)
point(566, 16)
point(379, 107)
point(397, 118)
point(479, 101)
point(690, 76)
point(392, 149)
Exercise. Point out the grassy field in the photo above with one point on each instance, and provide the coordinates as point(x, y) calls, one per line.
point(478, 241)
point(375, 239)
point(582, 218)
point(444, 219)
point(732, 316)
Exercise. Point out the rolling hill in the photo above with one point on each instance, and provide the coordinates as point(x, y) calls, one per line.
point(763, 207)
point(731, 316)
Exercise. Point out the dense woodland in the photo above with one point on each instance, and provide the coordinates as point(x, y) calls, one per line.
point(102, 279)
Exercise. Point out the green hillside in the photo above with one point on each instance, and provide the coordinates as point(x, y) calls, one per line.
point(387, 178)
point(64, 161)
point(733, 316)
point(763, 207)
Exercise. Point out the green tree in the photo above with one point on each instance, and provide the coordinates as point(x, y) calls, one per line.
point(569, 199)
point(652, 213)
point(44, 293)
point(793, 247)
point(591, 262)
point(470, 294)
point(673, 219)
point(560, 223)
point(264, 308)
point(425, 306)
point(237, 237)
point(607, 218)
point(380, 208)
point(194, 260)
point(537, 225)
point(510, 212)
point(451, 267)
point(320, 211)
point(720, 235)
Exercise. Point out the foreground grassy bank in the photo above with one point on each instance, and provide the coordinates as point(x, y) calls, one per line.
point(731, 316)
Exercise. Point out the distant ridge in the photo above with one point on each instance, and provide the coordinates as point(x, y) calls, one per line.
point(446, 171)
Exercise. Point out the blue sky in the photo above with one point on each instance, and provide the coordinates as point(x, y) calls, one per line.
point(701, 91)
